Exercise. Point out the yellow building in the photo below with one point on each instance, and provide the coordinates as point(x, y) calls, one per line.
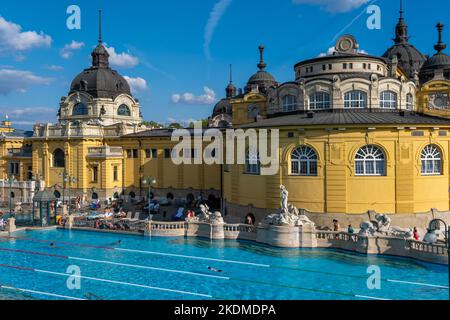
point(358, 134)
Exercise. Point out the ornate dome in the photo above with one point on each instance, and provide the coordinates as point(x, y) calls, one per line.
point(409, 58)
point(440, 61)
point(223, 107)
point(100, 81)
point(262, 78)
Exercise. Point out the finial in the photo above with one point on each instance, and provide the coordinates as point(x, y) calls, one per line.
point(100, 27)
point(262, 65)
point(401, 9)
point(440, 46)
point(231, 74)
point(401, 30)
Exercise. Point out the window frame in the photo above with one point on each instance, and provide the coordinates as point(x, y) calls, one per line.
point(252, 163)
point(350, 101)
point(120, 112)
point(429, 157)
point(370, 158)
point(58, 162)
point(304, 157)
point(289, 106)
point(388, 100)
point(314, 102)
point(76, 108)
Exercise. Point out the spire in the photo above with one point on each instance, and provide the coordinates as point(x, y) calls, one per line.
point(100, 41)
point(401, 30)
point(440, 46)
point(261, 65)
point(100, 56)
point(231, 89)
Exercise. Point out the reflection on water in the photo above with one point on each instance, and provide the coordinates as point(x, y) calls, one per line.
point(335, 255)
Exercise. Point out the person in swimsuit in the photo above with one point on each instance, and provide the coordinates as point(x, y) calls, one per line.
point(214, 270)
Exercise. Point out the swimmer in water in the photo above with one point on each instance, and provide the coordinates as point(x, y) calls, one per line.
point(52, 245)
point(214, 270)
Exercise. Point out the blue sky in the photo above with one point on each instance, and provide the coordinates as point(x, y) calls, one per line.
point(177, 52)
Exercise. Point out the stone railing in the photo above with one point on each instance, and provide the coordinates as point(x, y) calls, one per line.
point(105, 151)
point(19, 152)
point(240, 231)
point(426, 248)
point(292, 237)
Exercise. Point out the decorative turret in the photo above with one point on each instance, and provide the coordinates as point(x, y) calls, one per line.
point(231, 89)
point(409, 58)
point(401, 30)
point(261, 80)
point(440, 46)
point(100, 56)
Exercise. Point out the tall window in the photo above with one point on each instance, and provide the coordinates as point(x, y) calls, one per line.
point(431, 161)
point(124, 110)
point(80, 109)
point(95, 174)
point(59, 159)
point(252, 164)
point(115, 173)
point(289, 103)
point(355, 99)
point(252, 112)
point(370, 161)
point(388, 100)
point(319, 101)
point(304, 162)
point(409, 102)
point(14, 168)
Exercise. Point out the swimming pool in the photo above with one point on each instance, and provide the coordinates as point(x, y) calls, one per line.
point(177, 269)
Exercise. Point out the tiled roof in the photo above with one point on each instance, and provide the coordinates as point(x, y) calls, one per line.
point(351, 118)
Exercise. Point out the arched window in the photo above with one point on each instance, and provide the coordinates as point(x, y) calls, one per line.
point(431, 161)
point(59, 159)
point(80, 109)
point(388, 100)
point(304, 162)
point(355, 99)
point(409, 102)
point(319, 101)
point(57, 194)
point(370, 161)
point(252, 163)
point(252, 112)
point(289, 103)
point(124, 111)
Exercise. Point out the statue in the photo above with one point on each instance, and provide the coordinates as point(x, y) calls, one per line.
point(288, 214)
point(367, 229)
point(208, 217)
point(284, 199)
point(384, 228)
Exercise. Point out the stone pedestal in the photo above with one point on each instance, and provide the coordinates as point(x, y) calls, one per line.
point(217, 231)
point(308, 238)
point(69, 222)
point(11, 225)
point(279, 236)
point(148, 229)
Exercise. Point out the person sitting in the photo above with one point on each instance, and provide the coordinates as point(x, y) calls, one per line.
point(190, 214)
point(416, 234)
point(350, 229)
point(179, 215)
point(121, 214)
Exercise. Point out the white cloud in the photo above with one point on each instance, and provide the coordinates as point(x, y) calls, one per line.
point(122, 60)
point(53, 67)
point(12, 38)
point(334, 6)
point(28, 116)
point(137, 84)
point(68, 50)
point(214, 18)
point(209, 97)
point(18, 81)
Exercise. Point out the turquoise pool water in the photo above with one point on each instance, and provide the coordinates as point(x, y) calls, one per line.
point(177, 269)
